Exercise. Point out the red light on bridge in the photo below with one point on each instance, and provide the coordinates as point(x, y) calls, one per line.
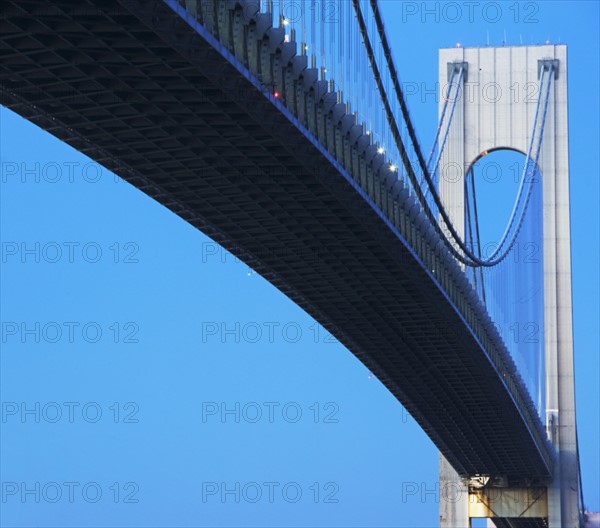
point(276, 95)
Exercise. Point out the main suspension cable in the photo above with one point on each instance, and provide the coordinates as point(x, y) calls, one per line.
point(398, 140)
point(470, 258)
point(439, 128)
point(439, 156)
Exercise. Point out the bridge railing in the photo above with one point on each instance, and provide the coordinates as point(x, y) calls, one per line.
point(319, 42)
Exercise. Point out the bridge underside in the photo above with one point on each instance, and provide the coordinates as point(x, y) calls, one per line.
point(534, 522)
point(137, 90)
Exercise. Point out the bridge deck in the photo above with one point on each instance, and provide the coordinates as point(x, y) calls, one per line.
point(141, 92)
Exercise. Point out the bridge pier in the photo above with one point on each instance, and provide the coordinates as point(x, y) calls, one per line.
point(454, 497)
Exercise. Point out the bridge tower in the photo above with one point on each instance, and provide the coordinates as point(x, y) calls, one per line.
point(496, 110)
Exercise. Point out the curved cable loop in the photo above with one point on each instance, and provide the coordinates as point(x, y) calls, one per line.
point(492, 260)
point(469, 258)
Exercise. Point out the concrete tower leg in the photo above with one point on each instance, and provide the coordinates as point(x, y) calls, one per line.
point(454, 498)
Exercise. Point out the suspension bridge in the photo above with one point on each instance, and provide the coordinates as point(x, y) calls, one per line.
point(281, 130)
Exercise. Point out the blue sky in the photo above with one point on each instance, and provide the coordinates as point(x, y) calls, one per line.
point(168, 385)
